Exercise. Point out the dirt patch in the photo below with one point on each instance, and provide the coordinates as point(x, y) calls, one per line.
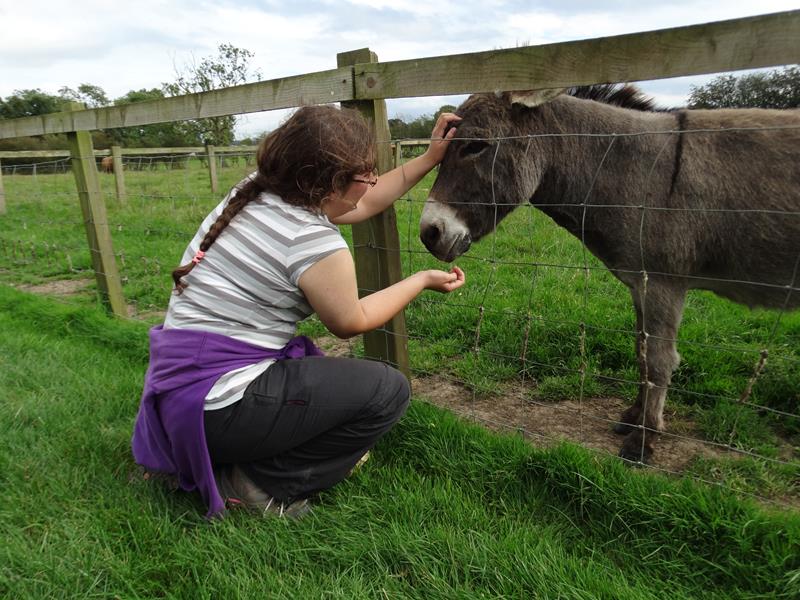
point(334, 346)
point(59, 287)
point(150, 315)
point(588, 423)
point(147, 315)
point(65, 288)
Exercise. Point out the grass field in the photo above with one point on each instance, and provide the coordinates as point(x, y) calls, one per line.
point(446, 510)
point(530, 287)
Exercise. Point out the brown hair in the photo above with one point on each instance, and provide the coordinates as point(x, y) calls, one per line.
point(313, 154)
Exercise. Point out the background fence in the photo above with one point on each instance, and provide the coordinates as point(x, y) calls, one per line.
point(540, 341)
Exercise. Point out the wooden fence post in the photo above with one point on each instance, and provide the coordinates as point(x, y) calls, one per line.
point(212, 167)
point(94, 217)
point(2, 192)
point(376, 243)
point(398, 153)
point(119, 174)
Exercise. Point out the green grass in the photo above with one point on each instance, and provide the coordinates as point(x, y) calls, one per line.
point(518, 318)
point(443, 510)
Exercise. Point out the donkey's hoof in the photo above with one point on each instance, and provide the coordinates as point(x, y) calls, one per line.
point(636, 454)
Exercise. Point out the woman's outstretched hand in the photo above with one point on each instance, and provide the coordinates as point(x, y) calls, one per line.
point(440, 141)
point(444, 281)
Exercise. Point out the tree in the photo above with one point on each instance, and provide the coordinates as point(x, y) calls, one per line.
point(92, 96)
point(442, 109)
point(29, 103)
point(157, 135)
point(775, 89)
point(419, 128)
point(231, 66)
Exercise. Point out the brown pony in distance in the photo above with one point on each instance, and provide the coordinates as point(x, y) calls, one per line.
point(698, 170)
point(107, 164)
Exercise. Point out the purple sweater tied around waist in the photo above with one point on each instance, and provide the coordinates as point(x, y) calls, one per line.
point(169, 435)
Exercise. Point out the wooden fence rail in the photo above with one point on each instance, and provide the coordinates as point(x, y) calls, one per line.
point(753, 42)
point(172, 151)
point(130, 151)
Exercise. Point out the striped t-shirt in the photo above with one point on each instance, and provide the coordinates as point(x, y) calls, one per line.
point(246, 285)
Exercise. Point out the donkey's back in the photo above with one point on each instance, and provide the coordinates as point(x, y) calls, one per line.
point(730, 217)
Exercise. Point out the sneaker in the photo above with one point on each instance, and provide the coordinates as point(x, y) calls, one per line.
point(238, 490)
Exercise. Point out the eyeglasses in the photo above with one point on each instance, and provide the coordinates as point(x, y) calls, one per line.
point(369, 182)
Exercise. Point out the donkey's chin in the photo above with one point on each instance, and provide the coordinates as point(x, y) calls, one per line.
point(448, 253)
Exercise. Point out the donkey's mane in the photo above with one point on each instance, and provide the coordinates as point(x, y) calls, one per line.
point(623, 95)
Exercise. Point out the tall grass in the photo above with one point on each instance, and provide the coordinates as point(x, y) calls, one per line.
point(443, 510)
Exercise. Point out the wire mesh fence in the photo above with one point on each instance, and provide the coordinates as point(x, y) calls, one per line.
point(734, 397)
point(541, 341)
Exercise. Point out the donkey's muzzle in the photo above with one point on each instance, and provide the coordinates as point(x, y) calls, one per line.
point(442, 246)
point(443, 231)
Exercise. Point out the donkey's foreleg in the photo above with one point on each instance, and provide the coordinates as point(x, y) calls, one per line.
point(659, 308)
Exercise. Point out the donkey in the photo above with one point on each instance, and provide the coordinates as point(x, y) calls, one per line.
point(668, 200)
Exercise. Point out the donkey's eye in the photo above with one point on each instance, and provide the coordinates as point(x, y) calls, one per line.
point(474, 147)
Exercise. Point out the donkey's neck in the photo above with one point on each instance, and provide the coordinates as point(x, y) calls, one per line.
point(605, 156)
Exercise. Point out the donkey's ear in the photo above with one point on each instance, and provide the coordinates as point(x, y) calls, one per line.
point(533, 98)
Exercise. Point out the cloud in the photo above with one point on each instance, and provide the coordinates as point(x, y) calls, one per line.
point(559, 23)
point(121, 50)
point(126, 46)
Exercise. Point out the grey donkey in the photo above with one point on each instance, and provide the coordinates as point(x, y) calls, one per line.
point(668, 200)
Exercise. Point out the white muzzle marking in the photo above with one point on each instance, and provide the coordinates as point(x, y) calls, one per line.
point(442, 230)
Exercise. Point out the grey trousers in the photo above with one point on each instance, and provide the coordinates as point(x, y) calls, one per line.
point(303, 424)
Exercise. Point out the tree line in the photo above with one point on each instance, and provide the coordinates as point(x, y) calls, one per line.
point(779, 88)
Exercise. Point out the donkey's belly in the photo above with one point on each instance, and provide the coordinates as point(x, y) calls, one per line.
point(753, 294)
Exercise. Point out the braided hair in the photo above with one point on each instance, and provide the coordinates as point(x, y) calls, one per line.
point(316, 152)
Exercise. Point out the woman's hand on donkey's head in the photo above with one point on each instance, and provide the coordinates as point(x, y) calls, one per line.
point(443, 131)
point(443, 281)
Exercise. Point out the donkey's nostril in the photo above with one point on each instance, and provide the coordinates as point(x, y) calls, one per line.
point(430, 235)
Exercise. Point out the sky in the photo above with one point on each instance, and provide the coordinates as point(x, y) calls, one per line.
point(123, 46)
